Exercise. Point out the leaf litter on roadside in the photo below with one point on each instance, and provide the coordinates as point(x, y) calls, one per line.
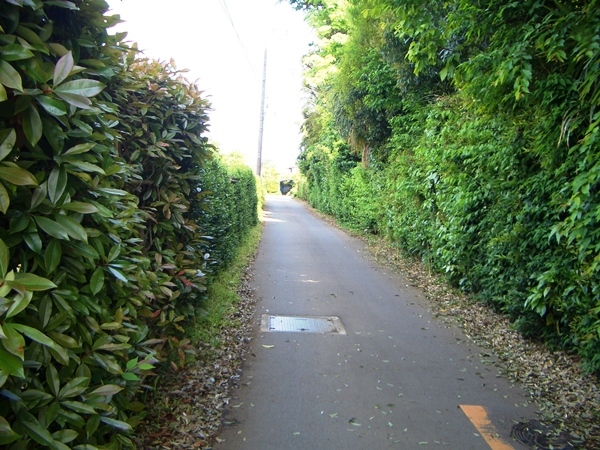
point(567, 397)
point(186, 411)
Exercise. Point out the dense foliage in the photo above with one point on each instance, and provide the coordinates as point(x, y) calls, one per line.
point(225, 208)
point(469, 135)
point(102, 252)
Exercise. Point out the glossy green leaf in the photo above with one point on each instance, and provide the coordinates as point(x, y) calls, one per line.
point(3, 94)
point(58, 49)
point(15, 52)
point(114, 169)
point(4, 257)
point(36, 432)
point(17, 175)
point(39, 195)
point(20, 302)
point(10, 364)
point(87, 167)
point(35, 335)
point(107, 389)
point(22, 102)
point(36, 396)
point(79, 101)
point(51, 227)
point(63, 4)
point(102, 339)
point(7, 435)
point(73, 228)
point(4, 199)
point(132, 363)
point(30, 35)
point(116, 423)
point(113, 191)
point(84, 249)
point(37, 69)
point(63, 339)
point(14, 341)
point(53, 134)
point(8, 138)
point(19, 222)
point(97, 280)
point(32, 125)
point(80, 148)
point(91, 426)
point(65, 436)
point(52, 106)
point(78, 407)
point(80, 207)
point(72, 418)
point(108, 363)
point(9, 77)
point(130, 376)
point(53, 255)
point(63, 68)
point(45, 310)
point(57, 183)
point(46, 31)
point(73, 388)
point(60, 354)
point(114, 253)
point(102, 210)
point(83, 87)
point(110, 326)
point(53, 379)
point(34, 282)
point(118, 275)
point(33, 241)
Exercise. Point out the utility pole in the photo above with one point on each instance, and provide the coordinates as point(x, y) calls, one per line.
point(262, 117)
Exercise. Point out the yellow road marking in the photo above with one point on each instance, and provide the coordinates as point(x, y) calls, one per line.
point(479, 418)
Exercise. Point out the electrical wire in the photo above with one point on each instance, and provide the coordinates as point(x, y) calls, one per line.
point(223, 4)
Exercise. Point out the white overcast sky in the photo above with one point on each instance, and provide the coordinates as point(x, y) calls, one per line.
point(199, 36)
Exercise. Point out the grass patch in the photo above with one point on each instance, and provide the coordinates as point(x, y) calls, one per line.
point(218, 310)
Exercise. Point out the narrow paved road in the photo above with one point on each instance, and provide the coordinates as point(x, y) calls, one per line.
point(398, 378)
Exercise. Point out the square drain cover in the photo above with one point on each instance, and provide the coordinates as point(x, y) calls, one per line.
point(332, 324)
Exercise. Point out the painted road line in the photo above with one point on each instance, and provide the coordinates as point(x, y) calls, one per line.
point(479, 418)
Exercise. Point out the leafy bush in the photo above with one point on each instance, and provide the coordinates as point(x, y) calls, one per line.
point(270, 178)
point(482, 158)
point(226, 207)
point(162, 118)
point(99, 258)
point(71, 356)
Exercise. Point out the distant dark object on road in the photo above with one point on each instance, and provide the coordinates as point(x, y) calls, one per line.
point(286, 186)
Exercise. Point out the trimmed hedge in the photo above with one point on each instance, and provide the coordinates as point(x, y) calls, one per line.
point(226, 208)
point(101, 260)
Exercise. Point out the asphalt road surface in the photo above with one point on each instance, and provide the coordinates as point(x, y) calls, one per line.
point(388, 375)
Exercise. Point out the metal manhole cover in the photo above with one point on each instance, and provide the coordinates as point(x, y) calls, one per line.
point(331, 324)
point(536, 435)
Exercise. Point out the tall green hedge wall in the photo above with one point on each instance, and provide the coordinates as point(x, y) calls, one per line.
point(468, 133)
point(103, 254)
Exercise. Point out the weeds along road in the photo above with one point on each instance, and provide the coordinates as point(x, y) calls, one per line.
point(387, 375)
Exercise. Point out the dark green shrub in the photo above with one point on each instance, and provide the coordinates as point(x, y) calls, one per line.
point(99, 259)
point(162, 118)
point(225, 208)
point(72, 269)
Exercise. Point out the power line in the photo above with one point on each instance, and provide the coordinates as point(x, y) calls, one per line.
point(223, 4)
